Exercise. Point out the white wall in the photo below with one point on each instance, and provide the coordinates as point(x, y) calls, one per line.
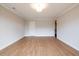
point(40, 28)
point(68, 28)
point(11, 28)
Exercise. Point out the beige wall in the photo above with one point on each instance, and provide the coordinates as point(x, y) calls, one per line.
point(11, 28)
point(68, 28)
point(40, 28)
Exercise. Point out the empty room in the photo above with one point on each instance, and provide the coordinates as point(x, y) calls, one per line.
point(39, 29)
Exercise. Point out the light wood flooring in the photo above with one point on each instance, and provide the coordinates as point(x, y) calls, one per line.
point(39, 46)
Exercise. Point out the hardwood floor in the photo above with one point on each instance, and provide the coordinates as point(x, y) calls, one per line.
point(39, 46)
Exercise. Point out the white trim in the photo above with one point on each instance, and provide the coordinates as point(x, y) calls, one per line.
point(7, 8)
point(68, 44)
point(39, 35)
point(60, 14)
point(11, 43)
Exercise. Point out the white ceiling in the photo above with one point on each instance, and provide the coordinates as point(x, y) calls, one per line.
point(25, 11)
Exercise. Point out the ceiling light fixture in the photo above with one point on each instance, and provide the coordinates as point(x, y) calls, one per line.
point(39, 7)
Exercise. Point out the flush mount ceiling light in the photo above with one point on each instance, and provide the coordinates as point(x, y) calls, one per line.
point(39, 7)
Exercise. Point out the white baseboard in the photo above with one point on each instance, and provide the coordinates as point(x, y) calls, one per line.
point(11, 43)
point(68, 44)
point(38, 35)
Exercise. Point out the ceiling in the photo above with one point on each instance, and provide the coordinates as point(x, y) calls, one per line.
point(26, 12)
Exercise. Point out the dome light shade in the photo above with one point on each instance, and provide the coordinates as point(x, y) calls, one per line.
point(39, 7)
